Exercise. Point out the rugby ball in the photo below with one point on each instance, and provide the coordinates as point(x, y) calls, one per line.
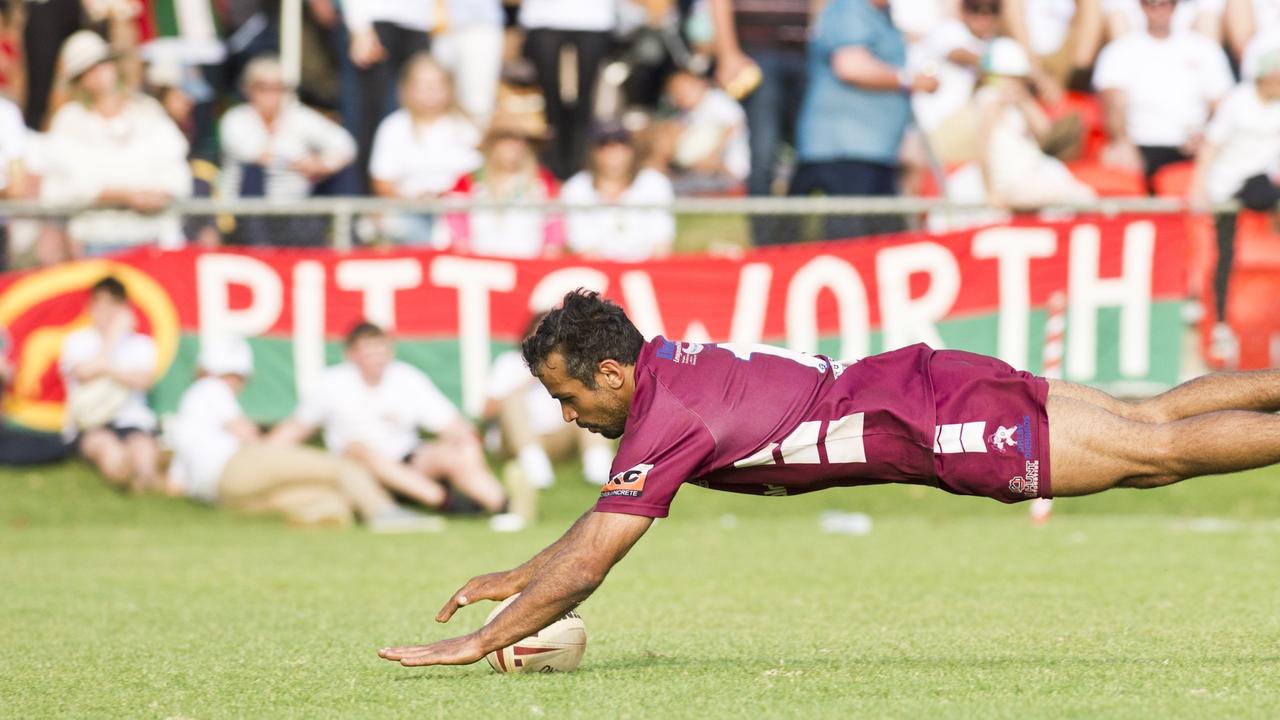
point(557, 647)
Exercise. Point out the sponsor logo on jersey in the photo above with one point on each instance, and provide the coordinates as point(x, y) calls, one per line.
point(1027, 484)
point(1004, 438)
point(1024, 441)
point(628, 483)
point(681, 353)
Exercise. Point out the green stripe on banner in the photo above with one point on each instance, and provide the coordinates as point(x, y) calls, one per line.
point(166, 17)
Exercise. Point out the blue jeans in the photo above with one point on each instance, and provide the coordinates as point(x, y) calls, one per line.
point(771, 121)
point(857, 178)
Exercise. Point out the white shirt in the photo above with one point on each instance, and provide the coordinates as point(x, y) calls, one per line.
point(955, 82)
point(133, 352)
point(1048, 22)
point(916, 18)
point(1169, 84)
point(13, 139)
point(616, 233)
point(412, 14)
point(386, 416)
point(718, 110)
point(508, 375)
point(202, 443)
point(1247, 133)
point(595, 15)
point(466, 13)
point(424, 158)
point(138, 149)
point(298, 133)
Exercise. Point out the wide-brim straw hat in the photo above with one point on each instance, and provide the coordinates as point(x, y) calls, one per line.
point(82, 52)
point(520, 116)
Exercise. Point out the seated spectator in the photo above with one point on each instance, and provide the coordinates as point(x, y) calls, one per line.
point(614, 176)
point(1016, 172)
point(219, 458)
point(275, 147)
point(1240, 158)
point(1244, 21)
point(952, 52)
point(1158, 88)
point(1202, 16)
point(422, 149)
point(705, 146)
point(371, 408)
point(510, 174)
point(107, 369)
point(531, 428)
point(18, 446)
point(112, 148)
point(1061, 37)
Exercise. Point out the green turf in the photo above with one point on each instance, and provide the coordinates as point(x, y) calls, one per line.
point(1124, 606)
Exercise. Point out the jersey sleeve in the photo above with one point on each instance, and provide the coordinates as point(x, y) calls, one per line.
point(669, 446)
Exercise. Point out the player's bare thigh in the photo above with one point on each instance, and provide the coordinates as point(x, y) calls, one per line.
point(1093, 396)
point(1092, 449)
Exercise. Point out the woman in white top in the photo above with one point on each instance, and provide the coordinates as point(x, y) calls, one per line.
point(219, 458)
point(422, 149)
point(613, 177)
point(112, 148)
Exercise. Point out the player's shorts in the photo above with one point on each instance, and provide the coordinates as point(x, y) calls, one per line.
point(992, 433)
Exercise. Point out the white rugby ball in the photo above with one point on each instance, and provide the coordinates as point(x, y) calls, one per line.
point(556, 648)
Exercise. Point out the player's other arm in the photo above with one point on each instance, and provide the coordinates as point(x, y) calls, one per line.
point(570, 571)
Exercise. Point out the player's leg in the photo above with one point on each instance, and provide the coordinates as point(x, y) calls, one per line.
point(1092, 449)
point(102, 448)
point(461, 461)
point(1257, 390)
point(397, 476)
point(144, 460)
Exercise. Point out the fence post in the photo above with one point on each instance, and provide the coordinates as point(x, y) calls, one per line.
point(342, 226)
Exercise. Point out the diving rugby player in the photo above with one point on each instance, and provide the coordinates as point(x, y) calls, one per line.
point(767, 421)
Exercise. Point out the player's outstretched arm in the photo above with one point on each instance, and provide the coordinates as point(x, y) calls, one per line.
point(567, 578)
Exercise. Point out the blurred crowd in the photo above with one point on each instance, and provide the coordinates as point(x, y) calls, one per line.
point(128, 105)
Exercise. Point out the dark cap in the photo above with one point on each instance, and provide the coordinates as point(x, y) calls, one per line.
point(609, 131)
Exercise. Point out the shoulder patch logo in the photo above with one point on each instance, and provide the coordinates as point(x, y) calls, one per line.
point(629, 483)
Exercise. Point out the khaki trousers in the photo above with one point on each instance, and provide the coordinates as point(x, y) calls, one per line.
point(305, 485)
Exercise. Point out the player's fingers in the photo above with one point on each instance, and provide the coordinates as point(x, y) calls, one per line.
point(458, 600)
point(395, 653)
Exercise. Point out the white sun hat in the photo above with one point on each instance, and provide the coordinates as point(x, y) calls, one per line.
point(1004, 56)
point(81, 52)
point(226, 356)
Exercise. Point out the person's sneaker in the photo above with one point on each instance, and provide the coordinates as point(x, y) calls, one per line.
point(1224, 349)
point(397, 519)
point(507, 522)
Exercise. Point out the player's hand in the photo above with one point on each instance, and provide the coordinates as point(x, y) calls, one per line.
point(454, 651)
point(494, 586)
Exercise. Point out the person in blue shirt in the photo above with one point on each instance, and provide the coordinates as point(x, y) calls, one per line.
point(855, 110)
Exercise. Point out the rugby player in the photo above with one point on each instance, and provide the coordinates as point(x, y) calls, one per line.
point(767, 421)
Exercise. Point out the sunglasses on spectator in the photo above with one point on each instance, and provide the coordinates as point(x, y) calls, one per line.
point(985, 9)
point(1159, 3)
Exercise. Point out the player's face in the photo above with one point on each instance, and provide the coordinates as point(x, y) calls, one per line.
point(602, 410)
point(371, 355)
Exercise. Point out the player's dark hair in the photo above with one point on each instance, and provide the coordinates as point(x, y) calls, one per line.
point(362, 331)
point(110, 286)
point(586, 330)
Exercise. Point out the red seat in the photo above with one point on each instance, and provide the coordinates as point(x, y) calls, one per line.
point(1174, 181)
point(1109, 181)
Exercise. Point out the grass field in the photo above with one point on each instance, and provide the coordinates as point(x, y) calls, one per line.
point(1128, 605)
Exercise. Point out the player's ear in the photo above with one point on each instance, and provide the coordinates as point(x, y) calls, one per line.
point(609, 374)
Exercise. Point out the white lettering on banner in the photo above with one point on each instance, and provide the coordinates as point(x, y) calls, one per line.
point(215, 274)
point(903, 319)
point(1131, 292)
point(751, 303)
point(1013, 248)
point(308, 325)
point(842, 444)
point(474, 279)
point(377, 281)
point(827, 272)
point(553, 286)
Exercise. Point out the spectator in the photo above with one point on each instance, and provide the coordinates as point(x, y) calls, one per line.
point(385, 34)
point(107, 369)
point(113, 149)
point(422, 149)
point(180, 90)
point(1240, 159)
point(1158, 89)
point(705, 145)
point(510, 175)
point(531, 428)
point(763, 42)
point(1202, 16)
point(371, 408)
point(553, 26)
point(471, 48)
point(614, 176)
point(952, 51)
point(17, 446)
point(13, 171)
point(1246, 20)
point(47, 26)
point(1016, 172)
point(219, 457)
point(1060, 36)
point(856, 110)
point(275, 147)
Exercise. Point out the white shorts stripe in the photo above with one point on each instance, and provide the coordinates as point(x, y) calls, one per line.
point(973, 437)
point(949, 438)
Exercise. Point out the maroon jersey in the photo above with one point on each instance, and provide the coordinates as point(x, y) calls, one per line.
point(768, 421)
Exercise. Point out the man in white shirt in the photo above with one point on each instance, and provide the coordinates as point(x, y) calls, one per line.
point(107, 369)
point(1158, 89)
point(219, 458)
point(371, 408)
point(1240, 159)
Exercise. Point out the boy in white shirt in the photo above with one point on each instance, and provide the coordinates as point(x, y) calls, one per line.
point(706, 144)
point(371, 408)
point(219, 458)
point(107, 369)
